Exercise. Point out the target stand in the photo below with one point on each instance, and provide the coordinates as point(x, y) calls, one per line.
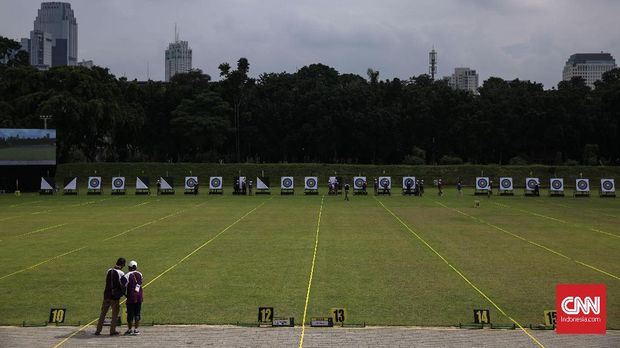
point(216, 185)
point(262, 185)
point(71, 187)
point(94, 185)
point(142, 186)
point(482, 186)
point(47, 186)
point(556, 187)
point(359, 186)
point(408, 186)
point(287, 185)
point(608, 188)
point(385, 186)
point(118, 185)
point(166, 185)
point(311, 186)
point(191, 185)
point(530, 187)
point(505, 187)
point(582, 188)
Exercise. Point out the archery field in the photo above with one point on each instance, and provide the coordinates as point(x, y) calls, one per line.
point(385, 260)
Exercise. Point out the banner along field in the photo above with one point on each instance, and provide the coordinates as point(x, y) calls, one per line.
point(390, 260)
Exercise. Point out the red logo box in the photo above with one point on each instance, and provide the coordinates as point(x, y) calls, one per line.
point(580, 308)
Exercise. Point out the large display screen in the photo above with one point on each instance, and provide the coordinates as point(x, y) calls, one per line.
point(27, 147)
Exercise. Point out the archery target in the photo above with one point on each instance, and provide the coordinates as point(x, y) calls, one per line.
point(71, 183)
point(505, 183)
point(287, 182)
point(408, 180)
point(262, 183)
point(582, 185)
point(358, 182)
point(118, 183)
point(557, 184)
point(385, 182)
point(142, 183)
point(482, 183)
point(191, 182)
point(311, 183)
point(215, 183)
point(608, 186)
point(94, 183)
point(530, 183)
point(47, 184)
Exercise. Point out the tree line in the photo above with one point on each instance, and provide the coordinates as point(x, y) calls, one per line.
point(313, 115)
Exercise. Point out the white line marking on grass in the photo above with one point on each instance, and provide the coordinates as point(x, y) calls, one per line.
point(316, 245)
point(459, 273)
point(40, 230)
point(20, 204)
point(139, 204)
point(81, 204)
point(10, 217)
point(106, 239)
point(528, 241)
point(167, 270)
point(561, 221)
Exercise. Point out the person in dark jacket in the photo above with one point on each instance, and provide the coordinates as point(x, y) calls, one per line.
point(111, 295)
point(135, 296)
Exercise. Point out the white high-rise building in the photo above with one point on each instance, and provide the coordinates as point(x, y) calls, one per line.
point(57, 19)
point(589, 66)
point(464, 79)
point(178, 57)
point(40, 48)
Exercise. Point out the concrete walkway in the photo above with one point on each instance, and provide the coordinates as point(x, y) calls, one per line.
point(234, 336)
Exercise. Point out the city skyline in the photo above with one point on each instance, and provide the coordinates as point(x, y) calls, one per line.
point(527, 39)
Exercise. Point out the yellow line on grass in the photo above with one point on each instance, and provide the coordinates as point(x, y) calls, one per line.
point(559, 220)
point(106, 239)
point(167, 270)
point(529, 241)
point(460, 273)
point(316, 245)
point(41, 230)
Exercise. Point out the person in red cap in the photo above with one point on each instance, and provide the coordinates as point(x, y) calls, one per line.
point(135, 296)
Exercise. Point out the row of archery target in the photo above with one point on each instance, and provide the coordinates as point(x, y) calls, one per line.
point(555, 184)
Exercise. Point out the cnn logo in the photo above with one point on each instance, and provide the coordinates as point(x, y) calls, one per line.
point(580, 308)
point(575, 305)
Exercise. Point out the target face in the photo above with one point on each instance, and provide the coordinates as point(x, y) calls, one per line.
point(287, 183)
point(118, 183)
point(483, 183)
point(359, 182)
point(191, 182)
point(215, 182)
point(582, 184)
point(607, 185)
point(506, 183)
point(408, 182)
point(311, 183)
point(385, 182)
point(94, 183)
point(531, 184)
point(556, 184)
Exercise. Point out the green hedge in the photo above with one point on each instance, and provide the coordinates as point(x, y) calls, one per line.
point(449, 173)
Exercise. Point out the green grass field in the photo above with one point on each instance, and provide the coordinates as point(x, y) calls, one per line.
point(28, 153)
point(215, 259)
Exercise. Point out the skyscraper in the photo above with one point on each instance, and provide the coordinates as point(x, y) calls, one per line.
point(589, 66)
point(57, 19)
point(178, 57)
point(464, 79)
point(40, 46)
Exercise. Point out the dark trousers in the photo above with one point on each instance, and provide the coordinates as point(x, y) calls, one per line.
point(105, 306)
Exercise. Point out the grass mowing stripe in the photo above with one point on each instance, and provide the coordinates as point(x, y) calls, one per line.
point(459, 273)
point(41, 230)
point(168, 269)
point(558, 220)
point(20, 204)
point(84, 247)
point(316, 245)
point(529, 241)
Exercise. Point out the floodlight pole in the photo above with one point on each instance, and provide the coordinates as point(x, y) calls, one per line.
point(45, 118)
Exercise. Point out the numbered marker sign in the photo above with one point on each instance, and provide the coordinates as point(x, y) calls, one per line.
point(482, 316)
point(550, 316)
point(338, 314)
point(57, 315)
point(265, 315)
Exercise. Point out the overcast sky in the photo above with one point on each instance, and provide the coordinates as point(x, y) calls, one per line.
point(526, 39)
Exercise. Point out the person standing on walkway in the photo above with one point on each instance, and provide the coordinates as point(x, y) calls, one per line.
point(111, 295)
point(135, 296)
